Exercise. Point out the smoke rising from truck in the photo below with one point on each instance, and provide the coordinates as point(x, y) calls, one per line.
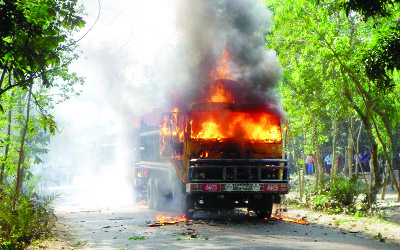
point(144, 54)
point(206, 29)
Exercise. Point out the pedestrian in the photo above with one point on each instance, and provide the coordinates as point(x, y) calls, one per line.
point(309, 163)
point(328, 162)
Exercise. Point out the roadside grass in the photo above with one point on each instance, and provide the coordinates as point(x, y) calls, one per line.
point(24, 220)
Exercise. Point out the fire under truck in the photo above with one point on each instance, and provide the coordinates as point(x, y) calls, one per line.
point(216, 154)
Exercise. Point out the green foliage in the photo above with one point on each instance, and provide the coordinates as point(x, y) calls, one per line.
point(378, 236)
point(36, 48)
point(35, 40)
point(369, 8)
point(384, 56)
point(30, 219)
point(137, 238)
point(338, 196)
point(335, 66)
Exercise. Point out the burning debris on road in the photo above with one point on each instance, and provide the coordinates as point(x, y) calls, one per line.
point(162, 220)
point(283, 218)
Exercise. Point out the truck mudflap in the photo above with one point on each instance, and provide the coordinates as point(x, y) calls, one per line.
point(279, 188)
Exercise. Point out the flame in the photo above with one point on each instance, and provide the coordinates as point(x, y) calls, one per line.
point(280, 217)
point(143, 201)
point(225, 124)
point(218, 93)
point(204, 154)
point(171, 129)
point(163, 133)
point(177, 131)
point(162, 220)
point(222, 69)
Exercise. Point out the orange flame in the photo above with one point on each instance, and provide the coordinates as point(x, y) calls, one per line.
point(222, 69)
point(204, 154)
point(220, 94)
point(171, 129)
point(221, 125)
point(163, 220)
point(298, 221)
point(143, 201)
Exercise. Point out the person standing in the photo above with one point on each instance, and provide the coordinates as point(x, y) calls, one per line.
point(309, 162)
point(328, 162)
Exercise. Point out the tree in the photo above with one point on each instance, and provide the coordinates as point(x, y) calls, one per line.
point(321, 36)
point(36, 49)
point(35, 40)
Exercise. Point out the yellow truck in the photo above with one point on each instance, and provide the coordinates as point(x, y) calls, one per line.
point(218, 154)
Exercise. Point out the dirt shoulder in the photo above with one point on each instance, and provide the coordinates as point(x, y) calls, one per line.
point(385, 226)
point(365, 227)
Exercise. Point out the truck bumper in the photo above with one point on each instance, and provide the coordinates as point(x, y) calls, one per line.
point(277, 188)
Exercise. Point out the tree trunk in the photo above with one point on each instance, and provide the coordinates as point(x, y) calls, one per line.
point(358, 163)
point(302, 184)
point(20, 175)
point(376, 181)
point(334, 156)
point(385, 181)
point(319, 173)
point(6, 149)
point(393, 147)
point(320, 168)
point(350, 145)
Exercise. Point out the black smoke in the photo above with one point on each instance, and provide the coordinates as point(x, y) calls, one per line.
point(205, 29)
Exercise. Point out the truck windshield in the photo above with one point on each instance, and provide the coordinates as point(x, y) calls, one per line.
point(225, 124)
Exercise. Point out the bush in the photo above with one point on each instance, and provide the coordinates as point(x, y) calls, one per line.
point(338, 197)
point(30, 220)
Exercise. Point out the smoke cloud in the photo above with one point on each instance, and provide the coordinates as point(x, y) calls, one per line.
point(141, 55)
point(205, 29)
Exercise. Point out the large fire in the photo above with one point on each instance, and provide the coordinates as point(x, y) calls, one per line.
point(252, 126)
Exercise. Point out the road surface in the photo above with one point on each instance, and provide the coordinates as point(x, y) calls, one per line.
point(95, 219)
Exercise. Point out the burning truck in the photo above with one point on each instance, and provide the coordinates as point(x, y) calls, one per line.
point(218, 153)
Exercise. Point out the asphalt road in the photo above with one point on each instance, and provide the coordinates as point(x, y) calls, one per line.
point(97, 219)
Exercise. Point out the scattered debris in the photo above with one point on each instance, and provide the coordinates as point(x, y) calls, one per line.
point(163, 220)
point(302, 221)
point(137, 238)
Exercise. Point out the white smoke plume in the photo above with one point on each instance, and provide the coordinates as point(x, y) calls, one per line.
point(137, 57)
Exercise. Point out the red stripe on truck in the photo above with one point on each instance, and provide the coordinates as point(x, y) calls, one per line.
point(210, 187)
point(272, 187)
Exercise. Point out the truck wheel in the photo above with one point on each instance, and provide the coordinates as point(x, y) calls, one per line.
point(188, 206)
point(158, 196)
point(265, 208)
point(150, 188)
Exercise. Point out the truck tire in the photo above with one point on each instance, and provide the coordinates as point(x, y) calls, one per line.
point(188, 206)
point(158, 196)
point(150, 187)
point(265, 207)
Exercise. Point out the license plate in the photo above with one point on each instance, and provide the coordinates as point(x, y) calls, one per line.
point(272, 187)
point(211, 187)
point(242, 187)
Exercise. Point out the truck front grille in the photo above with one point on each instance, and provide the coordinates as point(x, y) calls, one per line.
point(237, 170)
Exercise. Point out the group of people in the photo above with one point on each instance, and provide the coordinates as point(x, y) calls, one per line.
point(310, 164)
